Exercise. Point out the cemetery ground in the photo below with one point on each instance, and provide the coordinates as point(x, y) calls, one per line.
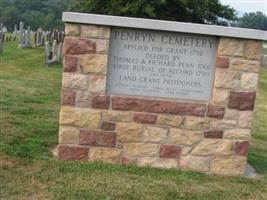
point(30, 102)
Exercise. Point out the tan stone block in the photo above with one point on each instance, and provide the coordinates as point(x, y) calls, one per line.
point(223, 124)
point(74, 81)
point(155, 134)
point(109, 155)
point(72, 29)
point(196, 163)
point(213, 147)
point(249, 81)
point(146, 161)
point(79, 117)
point(170, 120)
point(198, 123)
point(117, 116)
point(245, 65)
point(184, 137)
point(229, 166)
point(231, 114)
point(186, 150)
point(102, 46)
point(231, 47)
point(129, 132)
point(83, 99)
point(140, 149)
point(227, 79)
point(220, 96)
point(97, 84)
point(245, 119)
point(238, 134)
point(166, 163)
point(95, 31)
point(93, 64)
point(253, 49)
point(68, 135)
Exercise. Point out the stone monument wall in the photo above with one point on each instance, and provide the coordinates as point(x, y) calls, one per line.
point(127, 110)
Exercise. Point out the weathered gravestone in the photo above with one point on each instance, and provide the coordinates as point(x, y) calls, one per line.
point(1, 38)
point(158, 93)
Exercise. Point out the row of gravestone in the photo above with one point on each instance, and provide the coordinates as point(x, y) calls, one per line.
point(52, 40)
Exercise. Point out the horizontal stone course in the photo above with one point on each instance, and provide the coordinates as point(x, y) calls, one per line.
point(97, 138)
point(156, 106)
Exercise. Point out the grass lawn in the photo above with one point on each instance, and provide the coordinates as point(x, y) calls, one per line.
point(30, 102)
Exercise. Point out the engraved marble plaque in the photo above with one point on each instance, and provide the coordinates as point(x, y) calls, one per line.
point(161, 64)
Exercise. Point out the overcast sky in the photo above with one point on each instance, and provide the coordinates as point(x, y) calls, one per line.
point(247, 5)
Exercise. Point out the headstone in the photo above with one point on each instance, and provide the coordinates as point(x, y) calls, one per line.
point(16, 30)
point(160, 93)
point(28, 37)
point(1, 43)
point(21, 35)
point(4, 29)
point(49, 60)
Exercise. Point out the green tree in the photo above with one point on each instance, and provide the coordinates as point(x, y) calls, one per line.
point(204, 11)
point(35, 13)
point(256, 20)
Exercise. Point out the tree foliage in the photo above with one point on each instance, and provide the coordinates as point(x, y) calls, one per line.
point(35, 13)
point(204, 11)
point(256, 20)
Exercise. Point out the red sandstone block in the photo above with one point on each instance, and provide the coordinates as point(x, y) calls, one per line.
point(75, 46)
point(216, 111)
point(241, 148)
point(156, 106)
point(101, 102)
point(72, 153)
point(70, 64)
point(145, 118)
point(170, 151)
point(68, 97)
point(97, 138)
point(242, 100)
point(108, 126)
point(222, 62)
point(213, 134)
